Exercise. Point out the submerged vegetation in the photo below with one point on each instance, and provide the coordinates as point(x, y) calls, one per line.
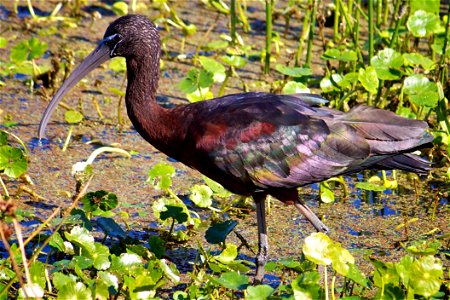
point(381, 53)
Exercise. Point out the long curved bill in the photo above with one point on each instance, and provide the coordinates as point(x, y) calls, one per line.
point(96, 58)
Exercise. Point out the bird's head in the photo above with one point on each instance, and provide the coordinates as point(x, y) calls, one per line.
point(128, 36)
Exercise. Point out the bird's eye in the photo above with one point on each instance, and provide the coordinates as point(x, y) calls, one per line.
point(112, 41)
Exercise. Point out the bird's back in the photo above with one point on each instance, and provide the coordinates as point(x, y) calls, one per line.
point(259, 141)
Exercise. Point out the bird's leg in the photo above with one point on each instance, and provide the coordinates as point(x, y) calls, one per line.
point(310, 215)
point(263, 246)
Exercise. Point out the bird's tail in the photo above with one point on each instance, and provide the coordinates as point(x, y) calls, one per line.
point(406, 162)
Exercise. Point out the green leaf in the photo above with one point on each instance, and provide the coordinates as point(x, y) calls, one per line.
point(422, 23)
point(234, 61)
point(99, 200)
point(120, 8)
point(19, 52)
point(421, 91)
point(171, 273)
point(13, 162)
point(196, 79)
point(293, 71)
point(74, 291)
point(218, 232)
point(369, 79)
point(37, 48)
point(370, 186)
point(217, 188)
point(157, 246)
point(201, 195)
point(387, 64)
point(73, 117)
point(431, 6)
point(306, 286)
point(293, 87)
point(37, 273)
point(160, 176)
point(213, 67)
point(228, 254)
point(426, 275)
point(111, 228)
point(259, 292)
point(336, 54)
point(57, 242)
point(82, 237)
point(174, 212)
point(385, 273)
point(100, 256)
point(127, 264)
point(316, 248)
point(59, 280)
point(233, 280)
point(416, 59)
point(326, 194)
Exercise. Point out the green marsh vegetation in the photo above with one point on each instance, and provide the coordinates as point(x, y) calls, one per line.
point(89, 245)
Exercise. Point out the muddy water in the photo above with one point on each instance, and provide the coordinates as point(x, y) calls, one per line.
point(363, 223)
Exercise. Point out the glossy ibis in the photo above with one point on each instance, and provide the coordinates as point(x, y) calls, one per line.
point(254, 144)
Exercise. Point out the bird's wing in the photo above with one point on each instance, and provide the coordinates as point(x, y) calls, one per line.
point(275, 140)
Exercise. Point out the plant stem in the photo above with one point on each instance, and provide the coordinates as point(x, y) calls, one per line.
point(233, 22)
point(371, 22)
point(302, 39)
point(311, 35)
point(31, 10)
point(268, 35)
point(336, 36)
point(69, 135)
point(4, 187)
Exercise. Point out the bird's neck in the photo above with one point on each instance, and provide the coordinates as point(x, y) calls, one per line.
point(155, 123)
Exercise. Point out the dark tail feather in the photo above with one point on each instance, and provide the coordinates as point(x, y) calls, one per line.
point(406, 162)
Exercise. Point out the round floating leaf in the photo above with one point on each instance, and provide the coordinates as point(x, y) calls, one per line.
point(201, 195)
point(73, 116)
point(259, 292)
point(421, 91)
point(233, 280)
point(100, 256)
point(161, 173)
point(82, 237)
point(74, 290)
point(426, 276)
point(218, 232)
point(175, 212)
point(99, 200)
point(422, 23)
point(369, 79)
point(387, 63)
point(316, 247)
point(13, 162)
point(37, 273)
point(293, 71)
